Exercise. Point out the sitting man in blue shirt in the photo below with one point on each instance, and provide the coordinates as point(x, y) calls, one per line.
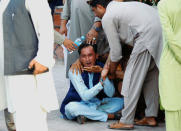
point(89, 96)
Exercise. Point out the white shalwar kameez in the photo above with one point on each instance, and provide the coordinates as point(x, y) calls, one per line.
point(30, 97)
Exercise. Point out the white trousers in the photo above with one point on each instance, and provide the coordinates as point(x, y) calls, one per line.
point(25, 99)
point(36, 120)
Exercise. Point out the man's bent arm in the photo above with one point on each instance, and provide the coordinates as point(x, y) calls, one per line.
point(44, 30)
point(109, 89)
point(79, 85)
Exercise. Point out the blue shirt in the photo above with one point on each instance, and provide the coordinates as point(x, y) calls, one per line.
point(88, 94)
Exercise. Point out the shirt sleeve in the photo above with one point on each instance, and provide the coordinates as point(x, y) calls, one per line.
point(113, 38)
point(97, 19)
point(167, 20)
point(66, 10)
point(109, 89)
point(79, 85)
point(42, 20)
point(58, 38)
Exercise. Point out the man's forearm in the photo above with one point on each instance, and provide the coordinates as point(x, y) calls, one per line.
point(105, 70)
point(112, 69)
point(112, 66)
point(64, 22)
point(108, 61)
point(84, 92)
point(97, 26)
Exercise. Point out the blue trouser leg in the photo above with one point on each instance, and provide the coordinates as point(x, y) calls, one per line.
point(74, 109)
point(108, 105)
point(111, 105)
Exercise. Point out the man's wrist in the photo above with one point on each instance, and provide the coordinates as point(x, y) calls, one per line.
point(97, 29)
point(102, 82)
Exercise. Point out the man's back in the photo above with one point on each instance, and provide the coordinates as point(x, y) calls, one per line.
point(133, 23)
point(137, 15)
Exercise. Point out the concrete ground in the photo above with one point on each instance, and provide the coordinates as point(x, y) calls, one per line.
point(55, 123)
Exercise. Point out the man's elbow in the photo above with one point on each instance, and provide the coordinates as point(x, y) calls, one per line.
point(110, 95)
point(84, 98)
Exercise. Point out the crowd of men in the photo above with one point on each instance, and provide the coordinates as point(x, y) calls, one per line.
point(128, 40)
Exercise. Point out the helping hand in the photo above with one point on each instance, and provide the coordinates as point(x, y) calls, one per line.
point(70, 45)
point(76, 66)
point(94, 69)
point(91, 36)
point(104, 73)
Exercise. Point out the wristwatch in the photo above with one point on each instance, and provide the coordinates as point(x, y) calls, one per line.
point(97, 29)
point(101, 81)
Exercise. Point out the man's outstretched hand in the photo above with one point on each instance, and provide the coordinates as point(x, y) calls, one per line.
point(70, 45)
point(94, 69)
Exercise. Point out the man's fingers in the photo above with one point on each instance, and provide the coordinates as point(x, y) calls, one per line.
point(94, 40)
point(69, 49)
point(72, 48)
point(87, 67)
point(89, 41)
point(88, 70)
point(77, 70)
point(38, 68)
point(39, 71)
point(80, 66)
point(74, 45)
point(104, 73)
point(72, 70)
point(93, 69)
point(31, 64)
point(76, 67)
point(35, 72)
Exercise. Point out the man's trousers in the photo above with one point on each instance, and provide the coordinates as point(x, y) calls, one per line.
point(95, 109)
point(144, 77)
point(24, 99)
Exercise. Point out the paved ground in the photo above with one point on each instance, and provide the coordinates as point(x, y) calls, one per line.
point(57, 124)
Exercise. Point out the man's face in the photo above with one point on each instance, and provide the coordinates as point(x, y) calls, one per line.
point(99, 11)
point(88, 56)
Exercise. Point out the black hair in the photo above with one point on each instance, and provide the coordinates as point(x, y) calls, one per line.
point(84, 45)
point(104, 3)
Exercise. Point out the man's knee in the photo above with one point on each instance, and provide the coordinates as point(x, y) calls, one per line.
point(72, 107)
point(112, 105)
point(119, 103)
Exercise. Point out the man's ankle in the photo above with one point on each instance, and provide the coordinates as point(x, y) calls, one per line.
point(81, 119)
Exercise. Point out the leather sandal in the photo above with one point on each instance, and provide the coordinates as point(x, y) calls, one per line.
point(121, 126)
point(147, 121)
